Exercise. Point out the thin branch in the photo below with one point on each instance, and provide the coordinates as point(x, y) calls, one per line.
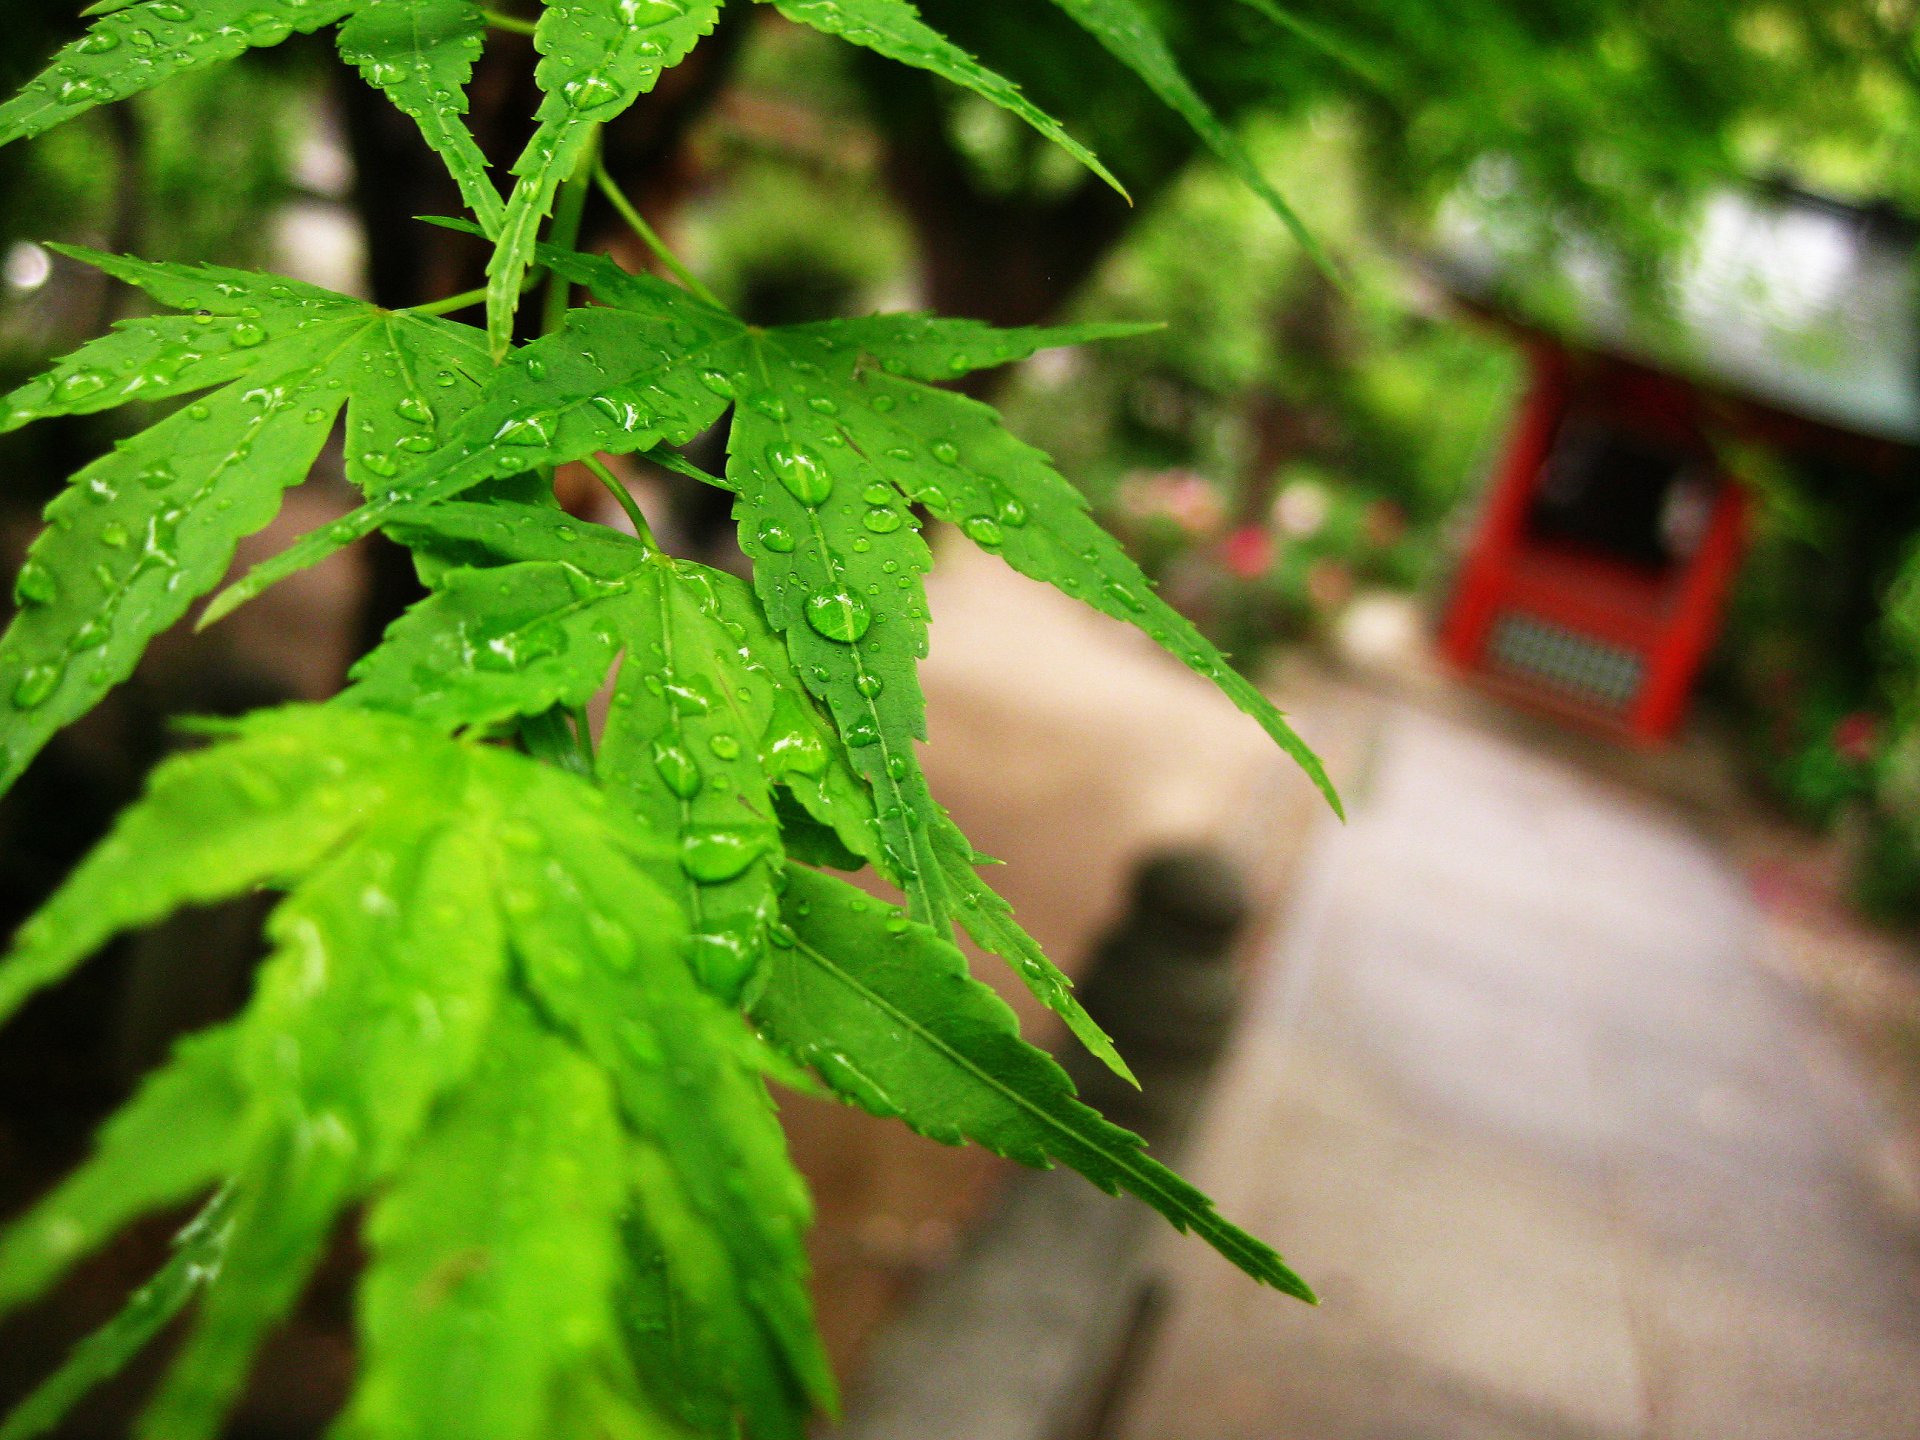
point(649, 237)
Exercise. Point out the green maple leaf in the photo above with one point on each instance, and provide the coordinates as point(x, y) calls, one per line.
point(894, 29)
point(144, 531)
point(707, 717)
point(886, 1013)
point(419, 52)
point(599, 56)
point(1129, 34)
point(835, 431)
point(476, 1001)
point(136, 47)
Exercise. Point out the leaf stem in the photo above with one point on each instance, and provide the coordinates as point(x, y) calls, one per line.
point(652, 240)
point(452, 303)
point(625, 497)
point(512, 24)
point(564, 232)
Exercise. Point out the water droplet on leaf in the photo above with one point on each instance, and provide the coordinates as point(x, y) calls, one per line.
point(804, 477)
point(839, 615)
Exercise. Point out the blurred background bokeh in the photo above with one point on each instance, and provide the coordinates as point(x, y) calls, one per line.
point(1571, 510)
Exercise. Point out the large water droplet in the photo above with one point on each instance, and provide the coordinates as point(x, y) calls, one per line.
point(247, 335)
point(531, 429)
point(416, 410)
point(985, 532)
point(80, 382)
point(839, 615)
point(35, 585)
point(804, 477)
point(716, 855)
point(590, 90)
point(37, 684)
point(776, 538)
point(678, 770)
point(883, 520)
point(946, 452)
point(725, 962)
point(624, 414)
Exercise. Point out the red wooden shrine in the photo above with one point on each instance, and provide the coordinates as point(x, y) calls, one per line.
point(1597, 575)
point(1596, 578)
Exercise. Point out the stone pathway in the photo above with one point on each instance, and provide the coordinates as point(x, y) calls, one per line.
point(1563, 1156)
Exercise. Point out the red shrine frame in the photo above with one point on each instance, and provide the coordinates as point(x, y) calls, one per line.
point(1609, 644)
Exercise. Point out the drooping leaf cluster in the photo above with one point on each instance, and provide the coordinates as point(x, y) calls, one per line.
point(532, 969)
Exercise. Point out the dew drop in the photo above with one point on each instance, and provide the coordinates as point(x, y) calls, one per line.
point(416, 410)
point(776, 538)
point(35, 585)
point(716, 855)
point(804, 477)
point(78, 384)
point(532, 429)
point(839, 615)
point(37, 684)
point(247, 335)
point(869, 685)
point(882, 520)
point(590, 90)
point(678, 770)
point(725, 746)
point(725, 962)
point(985, 533)
point(946, 452)
point(624, 414)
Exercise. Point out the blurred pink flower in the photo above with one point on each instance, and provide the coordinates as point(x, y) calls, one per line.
point(1248, 552)
point(1857, 736)
point(1182, 496)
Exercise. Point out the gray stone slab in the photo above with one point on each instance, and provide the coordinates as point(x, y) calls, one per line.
point(1565, 1159)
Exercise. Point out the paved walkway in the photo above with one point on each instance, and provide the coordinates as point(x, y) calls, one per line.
point(1563, 1157)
